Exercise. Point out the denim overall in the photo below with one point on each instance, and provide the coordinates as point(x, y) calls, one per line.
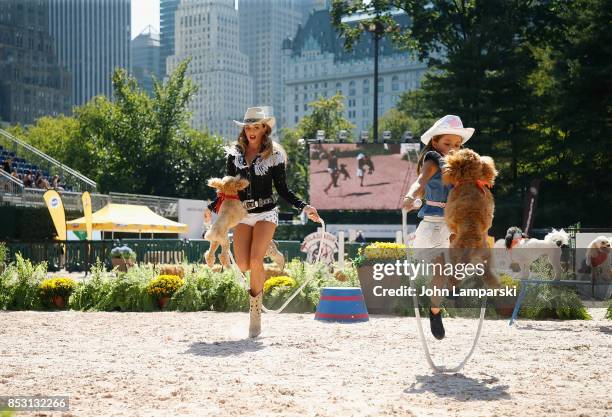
point(435, 190)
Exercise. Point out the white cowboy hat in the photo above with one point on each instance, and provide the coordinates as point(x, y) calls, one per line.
point(256, 115)
point(448, 125)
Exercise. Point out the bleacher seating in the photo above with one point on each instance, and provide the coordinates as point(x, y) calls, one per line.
point(21, 165)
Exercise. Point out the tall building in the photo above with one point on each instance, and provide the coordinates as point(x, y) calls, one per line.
point(264, 24)
point(32, 83)
point(92, 39)
point(208, 33)
point(306, 7)
point(167, 10)
point(315, 64)
point(145, 58)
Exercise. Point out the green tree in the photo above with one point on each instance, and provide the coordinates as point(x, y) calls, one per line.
point(481, 64)
point(327, 115)
point(134, 143)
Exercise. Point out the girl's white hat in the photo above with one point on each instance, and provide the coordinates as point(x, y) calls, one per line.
point(256, 115)
point(448, 125)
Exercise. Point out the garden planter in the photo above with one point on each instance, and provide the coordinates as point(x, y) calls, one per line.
point(504, 306)
point(376, 304)
point(163, 301)
point(123, 265)
point(59, 301)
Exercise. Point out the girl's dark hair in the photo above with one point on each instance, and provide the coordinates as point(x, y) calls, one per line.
point(427, 148)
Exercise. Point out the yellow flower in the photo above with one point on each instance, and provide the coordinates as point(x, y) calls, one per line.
point(281, 281)
point(165, 285)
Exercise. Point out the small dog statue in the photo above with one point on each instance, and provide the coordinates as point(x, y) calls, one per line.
point(599, 259)
point(273, 253)
point(230, 212)
point(526, 251)
point(514, 236)
point(469, 207)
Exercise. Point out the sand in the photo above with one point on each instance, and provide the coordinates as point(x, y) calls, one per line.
point(199, 364)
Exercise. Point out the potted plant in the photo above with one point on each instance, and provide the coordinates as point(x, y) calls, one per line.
point(504, 306)
point(57, 290)
point(378, 253)
point(163, 288)
point(123, 258)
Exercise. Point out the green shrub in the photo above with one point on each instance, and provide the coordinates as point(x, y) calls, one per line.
point(609, 312)
point(552, 302)
point(3, 253)
point(20, 284)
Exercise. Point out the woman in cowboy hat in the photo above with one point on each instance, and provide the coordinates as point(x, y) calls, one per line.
point(447, 134)
point(257, 158)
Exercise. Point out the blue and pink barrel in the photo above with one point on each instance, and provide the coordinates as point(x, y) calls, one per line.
point(342, 304)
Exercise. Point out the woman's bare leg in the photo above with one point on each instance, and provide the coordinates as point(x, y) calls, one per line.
point(243, 234)
point(263, 232)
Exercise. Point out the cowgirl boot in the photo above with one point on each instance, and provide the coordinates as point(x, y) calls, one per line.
point(255, 314)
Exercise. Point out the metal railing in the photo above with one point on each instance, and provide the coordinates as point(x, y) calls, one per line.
point(13, 192)
point(9, 185)
point(74, 179)
point(78, 256)
point(33, 197)
point(164, 206)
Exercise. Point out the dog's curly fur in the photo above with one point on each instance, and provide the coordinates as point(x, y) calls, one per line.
point(469, 207)
point(230, 214)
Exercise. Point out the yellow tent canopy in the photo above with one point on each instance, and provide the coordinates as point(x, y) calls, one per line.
point(128, 218)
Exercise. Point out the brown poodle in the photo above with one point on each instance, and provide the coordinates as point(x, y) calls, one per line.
point(469, 207)
point(230, 213)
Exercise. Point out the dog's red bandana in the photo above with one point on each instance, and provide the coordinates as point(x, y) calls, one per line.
point(515, 242)
point(222, 197)
point(479, 183)
point(599, 259)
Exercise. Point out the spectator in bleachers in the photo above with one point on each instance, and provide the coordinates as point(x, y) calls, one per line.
point(15, 174)
point(27, 179)
point(7, 165)
point(55, 183)
point(42, 183)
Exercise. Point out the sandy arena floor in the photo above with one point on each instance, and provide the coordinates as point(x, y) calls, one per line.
point(199, 364)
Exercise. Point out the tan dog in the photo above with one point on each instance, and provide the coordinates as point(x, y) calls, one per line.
point(230, 213)
point(469, 207)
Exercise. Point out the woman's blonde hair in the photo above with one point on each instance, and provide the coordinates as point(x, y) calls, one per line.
point(267, 144)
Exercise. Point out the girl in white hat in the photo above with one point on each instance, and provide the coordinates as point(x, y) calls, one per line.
point(445, 135)
point(256, 157)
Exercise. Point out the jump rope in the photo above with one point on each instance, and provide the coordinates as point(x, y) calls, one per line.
point(245, 283)
point(417, 315)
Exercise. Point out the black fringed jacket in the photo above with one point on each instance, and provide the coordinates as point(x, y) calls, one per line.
point(261, 174)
